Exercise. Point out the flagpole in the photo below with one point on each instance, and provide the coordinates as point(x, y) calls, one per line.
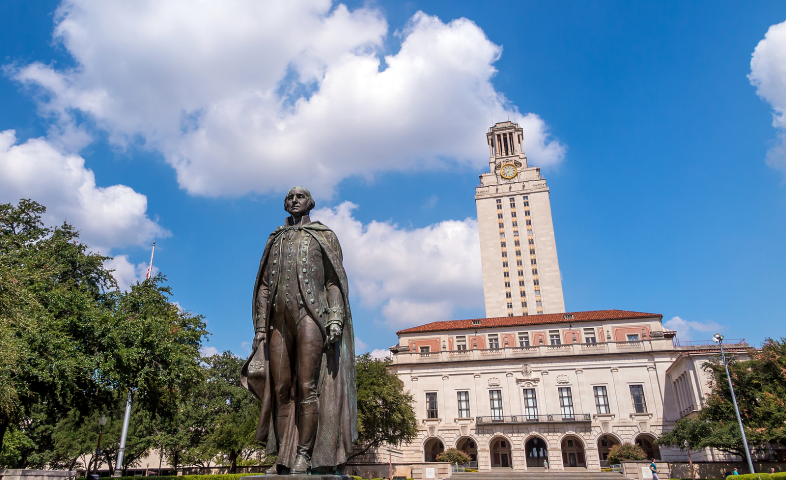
point(127, 417)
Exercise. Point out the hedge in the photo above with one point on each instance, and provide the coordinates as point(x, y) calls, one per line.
point(757, 476)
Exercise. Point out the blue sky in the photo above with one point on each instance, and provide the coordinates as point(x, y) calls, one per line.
point(661, 141)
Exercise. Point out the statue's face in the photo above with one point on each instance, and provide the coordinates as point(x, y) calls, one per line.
point(297, 202)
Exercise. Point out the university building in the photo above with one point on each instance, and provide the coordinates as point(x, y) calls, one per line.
point(531, 385)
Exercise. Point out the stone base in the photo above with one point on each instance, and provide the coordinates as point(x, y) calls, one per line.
point(299, 476)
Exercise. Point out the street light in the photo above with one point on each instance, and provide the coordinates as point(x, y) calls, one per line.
point(718, 338)
point(101, 423)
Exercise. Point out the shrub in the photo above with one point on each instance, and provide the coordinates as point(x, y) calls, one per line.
point(625, 451)
point(453, 455)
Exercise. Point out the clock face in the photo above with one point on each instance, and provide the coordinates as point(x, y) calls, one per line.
point(508, 171)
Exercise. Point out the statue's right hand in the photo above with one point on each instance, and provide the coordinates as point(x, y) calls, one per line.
point(258, 338)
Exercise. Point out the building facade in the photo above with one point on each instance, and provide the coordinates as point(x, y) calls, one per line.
point(518, 250)
point(559, 389)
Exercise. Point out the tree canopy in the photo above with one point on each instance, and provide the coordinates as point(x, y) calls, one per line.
point(760, 386)
point(385, 413)
point(72, 344)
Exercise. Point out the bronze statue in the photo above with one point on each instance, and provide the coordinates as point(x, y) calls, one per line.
point(302, 365)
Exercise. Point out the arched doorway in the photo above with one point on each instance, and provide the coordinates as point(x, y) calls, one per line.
point(605, 442)
point(573, 452)
point(470, 448)
point(432, 449)
point(500, 453)
point(537, 452)
point(645, 441)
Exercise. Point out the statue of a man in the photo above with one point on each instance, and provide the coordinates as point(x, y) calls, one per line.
point(302, 365)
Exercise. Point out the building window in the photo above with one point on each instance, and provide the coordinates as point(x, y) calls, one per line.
point(507, 294)
point(425, 350)
point(510, 304)
point(554, 336)
point(515, 223)
point(502, 244)
point(633, 337)
point(529, 222)
point(637, 396)
point(530, 404)
point(513, 214)
point(524, 304)
point(507, 284)
point(601, 400)
point(538, 303)
point(566, 403)
point(506, 274)
point(504, 264)
point(517, 243)
point(531, 241)
point(495, 397)
point(589, 335)
point(463, 404)
point(504, 254)
point(494, 341)
point(518, 262)
point(499, 215)
point(523, 339)
point(499, 200)
point(536, 281)
point(533, 262)
point(461, 343)
point(431, 405)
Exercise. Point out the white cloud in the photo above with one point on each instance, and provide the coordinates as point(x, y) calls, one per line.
point(689, 330)
point(360, 345)
point(106, 217)
point(244, 96)
point(768, 75)
point(127, 274)
point(208, 351)
point(415, 275)
point(380, 353)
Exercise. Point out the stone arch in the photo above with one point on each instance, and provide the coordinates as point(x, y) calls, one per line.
point(574, 451)
point(501, 451)
point(432, 447)
point(536, 450)
point(605, 441)
point(469, 445)
point(647, 443)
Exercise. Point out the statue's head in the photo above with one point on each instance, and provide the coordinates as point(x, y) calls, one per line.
point(298, 202)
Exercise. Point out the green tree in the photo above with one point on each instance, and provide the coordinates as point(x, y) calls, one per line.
point(233, 409)
point(760, 386)
point(385, 413)
point(453, 455)
point(72, 345)
point(626, 451)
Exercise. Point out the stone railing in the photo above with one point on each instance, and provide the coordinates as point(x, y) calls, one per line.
point(533, 351)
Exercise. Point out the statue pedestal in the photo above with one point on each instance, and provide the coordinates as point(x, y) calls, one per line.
point(299, 476)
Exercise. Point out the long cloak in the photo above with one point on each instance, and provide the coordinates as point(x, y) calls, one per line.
point(337, 388)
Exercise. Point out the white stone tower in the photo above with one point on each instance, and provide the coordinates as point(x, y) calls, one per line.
point(517, 247)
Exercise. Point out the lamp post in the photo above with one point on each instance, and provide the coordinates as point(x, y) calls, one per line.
point(690, 461)
point(718, 338)
point(101, 423)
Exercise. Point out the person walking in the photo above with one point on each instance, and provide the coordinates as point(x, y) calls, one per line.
point(654, 470)
point(735, 472)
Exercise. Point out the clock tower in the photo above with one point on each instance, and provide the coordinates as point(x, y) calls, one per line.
point(517, 247)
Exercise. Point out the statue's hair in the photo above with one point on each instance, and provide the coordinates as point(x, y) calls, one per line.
point(311, 202)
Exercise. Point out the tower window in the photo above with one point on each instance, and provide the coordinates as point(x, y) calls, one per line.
point(512, 214)
point(531, 241)
point(526, 202)
point(533, 261)
point(499, 215)
point(521, 283)
point(517, 243)
point(504, 254)
point(499, 200)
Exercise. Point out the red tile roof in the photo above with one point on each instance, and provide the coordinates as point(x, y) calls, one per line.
point(574, 317)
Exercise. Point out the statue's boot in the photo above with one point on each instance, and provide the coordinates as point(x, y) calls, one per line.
point(282, 419)
point(307, 432)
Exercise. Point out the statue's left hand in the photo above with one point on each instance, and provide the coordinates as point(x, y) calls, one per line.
point(334, 334)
